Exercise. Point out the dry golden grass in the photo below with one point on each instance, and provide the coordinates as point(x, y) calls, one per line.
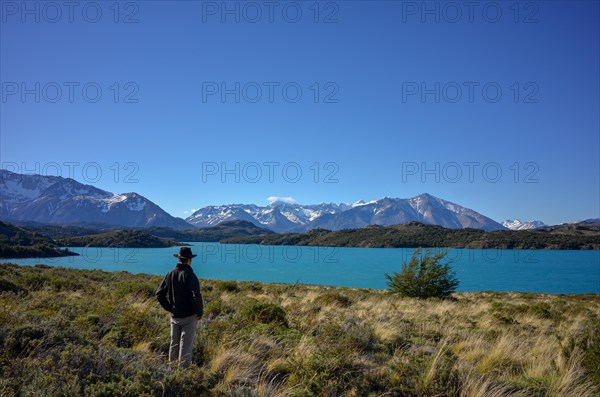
point(300, 340)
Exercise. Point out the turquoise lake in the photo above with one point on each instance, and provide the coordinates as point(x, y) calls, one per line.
point(548, 271)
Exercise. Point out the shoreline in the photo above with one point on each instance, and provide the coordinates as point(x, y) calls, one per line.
point(308, 285)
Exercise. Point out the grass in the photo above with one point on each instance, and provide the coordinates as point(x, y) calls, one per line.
point(93, 333)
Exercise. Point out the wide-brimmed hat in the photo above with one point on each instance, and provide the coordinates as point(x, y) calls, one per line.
point(185, 252)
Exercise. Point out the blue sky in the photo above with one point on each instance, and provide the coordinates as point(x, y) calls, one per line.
point(494, 107)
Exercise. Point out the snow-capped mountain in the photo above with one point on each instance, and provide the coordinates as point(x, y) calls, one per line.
point(53, 199)
point(424, 208)
point(284, 217)
point(277, 216)
point(518, 225)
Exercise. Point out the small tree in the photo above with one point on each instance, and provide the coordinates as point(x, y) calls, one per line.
point(424, 276)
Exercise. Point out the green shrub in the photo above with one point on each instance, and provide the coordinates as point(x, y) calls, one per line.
point(119, 336)
point(254, 287)
point(88, 325)
point(138, 328)
point(64, 284)
point(7, 286)
point(120, 386)
point(34, 282)
point(591, 360)
point(332, 369)
point(82, 358)
point(350, 335)
point(544, 310)
point(23, 340)
point(424, 277)
point(42, 266)
point(333, 298)
point(265, 313)
point(215, 308)
point(227, 286)
point(142, 289)
point(185, 383)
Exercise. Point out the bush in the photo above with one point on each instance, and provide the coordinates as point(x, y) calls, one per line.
point(591, 360)
point(42, 266)
point(227, 286)
point(334, 298)
point(22, 340)
point(145, 289)
point(65, 284)
point(185, 383)
point(120, 337)
point(216, 308)
point(6, 285)
point(266, 313)
point(424, 277)
point(34, 281)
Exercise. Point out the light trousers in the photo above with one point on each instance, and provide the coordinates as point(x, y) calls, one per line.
point(183, 331)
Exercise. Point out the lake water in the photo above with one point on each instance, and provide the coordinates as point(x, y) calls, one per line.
point(550, 271)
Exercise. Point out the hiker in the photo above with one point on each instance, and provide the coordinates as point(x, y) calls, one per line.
point(179, 294)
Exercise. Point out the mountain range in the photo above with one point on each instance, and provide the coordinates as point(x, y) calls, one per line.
point(285, 217)
point(58, 200)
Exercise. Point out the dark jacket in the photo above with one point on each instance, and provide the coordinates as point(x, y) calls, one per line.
point(179, 292)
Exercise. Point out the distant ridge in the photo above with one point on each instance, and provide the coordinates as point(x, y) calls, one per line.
point(17, 242)
point(579, 236)
point(127, 238)
point(223, 230)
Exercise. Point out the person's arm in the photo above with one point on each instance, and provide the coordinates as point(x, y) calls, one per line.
point(195, 296)
point(161, 294)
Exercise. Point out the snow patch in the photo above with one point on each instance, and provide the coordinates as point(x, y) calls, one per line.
point(15, 192)
point(108, 202)
point(362, 202)
point(136, 206)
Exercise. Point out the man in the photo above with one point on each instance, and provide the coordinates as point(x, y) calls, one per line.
point(179, 294)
